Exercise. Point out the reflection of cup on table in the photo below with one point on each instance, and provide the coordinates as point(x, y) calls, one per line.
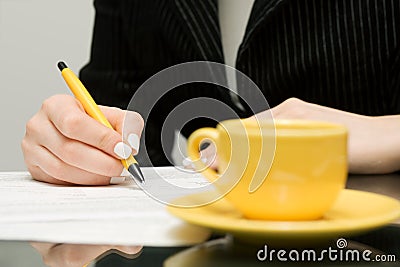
point(287, 170)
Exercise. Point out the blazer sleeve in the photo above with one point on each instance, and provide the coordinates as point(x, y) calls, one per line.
point(394, 96)
point(126, 50)
point(130, 44)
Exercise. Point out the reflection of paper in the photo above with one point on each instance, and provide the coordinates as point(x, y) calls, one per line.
point(120, 215)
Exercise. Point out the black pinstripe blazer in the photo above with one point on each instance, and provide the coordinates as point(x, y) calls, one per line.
point(343, 54)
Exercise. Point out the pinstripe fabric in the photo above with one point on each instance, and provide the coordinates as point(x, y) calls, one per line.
point(343, 54)
point(335, 53)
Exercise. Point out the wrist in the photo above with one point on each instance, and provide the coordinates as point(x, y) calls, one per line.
point(382, 146)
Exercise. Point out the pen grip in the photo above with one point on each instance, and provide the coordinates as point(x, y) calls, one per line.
point(83, 96)
point(91, 108)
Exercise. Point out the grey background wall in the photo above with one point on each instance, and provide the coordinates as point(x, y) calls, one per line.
point(34, 35)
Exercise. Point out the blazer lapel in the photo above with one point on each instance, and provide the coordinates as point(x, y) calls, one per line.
point(201, 18)
point(262, 10)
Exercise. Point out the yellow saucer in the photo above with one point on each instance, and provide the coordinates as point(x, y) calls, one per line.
point(354, 212)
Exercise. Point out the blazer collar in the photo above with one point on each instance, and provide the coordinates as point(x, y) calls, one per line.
point(201, 18)
point(262, 10)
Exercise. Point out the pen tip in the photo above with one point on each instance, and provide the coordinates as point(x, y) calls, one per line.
point(136, 172)
point(61, 65)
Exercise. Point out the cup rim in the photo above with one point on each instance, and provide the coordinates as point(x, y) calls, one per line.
point(295, 127)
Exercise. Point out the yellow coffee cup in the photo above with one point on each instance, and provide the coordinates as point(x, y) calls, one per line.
point(276, 170)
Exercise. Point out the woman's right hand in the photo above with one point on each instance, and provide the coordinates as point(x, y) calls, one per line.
point(63, 255)
point(64, 145)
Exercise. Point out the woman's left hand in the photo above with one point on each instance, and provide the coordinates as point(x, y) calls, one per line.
point(374, 142)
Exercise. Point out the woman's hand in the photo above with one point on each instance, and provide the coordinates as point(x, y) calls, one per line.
point(64, 145)
point(66, 255)
point(374, 142)
point(373, 145)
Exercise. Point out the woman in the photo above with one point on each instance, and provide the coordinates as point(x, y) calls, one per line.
point(340, 57)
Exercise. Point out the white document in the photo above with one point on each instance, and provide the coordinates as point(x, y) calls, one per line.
point(116, 215)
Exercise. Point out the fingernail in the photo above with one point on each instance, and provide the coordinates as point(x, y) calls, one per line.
point(204, 160)
point(122, 150)
point(134, 141)
point(117, 180)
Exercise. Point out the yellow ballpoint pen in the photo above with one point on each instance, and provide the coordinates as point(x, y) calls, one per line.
point(91, 108)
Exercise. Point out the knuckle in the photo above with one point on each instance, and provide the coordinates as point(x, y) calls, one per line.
point(52, 102)
point(294, 108)
point(31, 126)
point(70, 125)
point(26, 148)
point(68, 151)
point(47, 104)
point(114, 168)
point(107, 140)
point(24, 145)
point(56, 170)
point(293, 101)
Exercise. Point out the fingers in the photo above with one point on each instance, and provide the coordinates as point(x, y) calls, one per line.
point(130, 252)
point(127, 123)
point(40, 175)
point(42, 247)
point(51, 157)
point(64, 172)
point(64, 145)
point(60, 255)
point(66, 255)
point(48, 168)
point(292, 108)
point(76, 154)
point(71, 121)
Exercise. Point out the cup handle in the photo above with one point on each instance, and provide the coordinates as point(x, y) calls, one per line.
point(194, 143)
